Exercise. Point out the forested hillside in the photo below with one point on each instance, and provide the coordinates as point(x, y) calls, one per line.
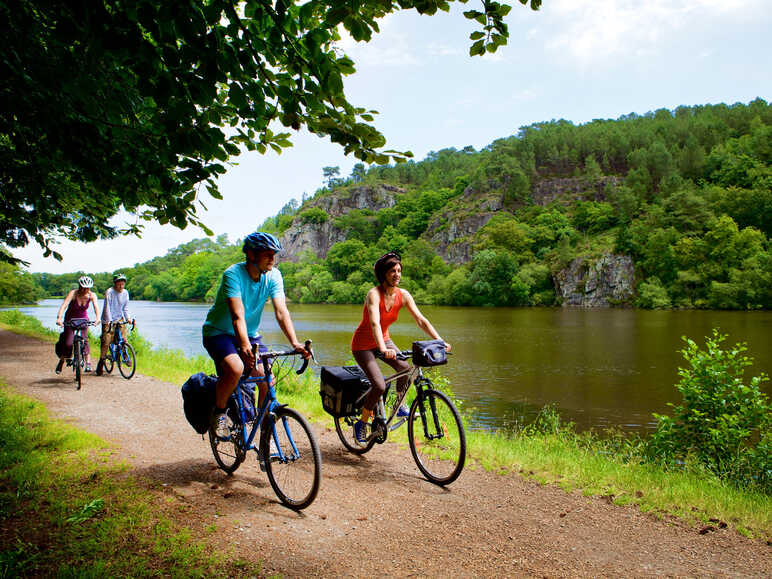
point(685, 195)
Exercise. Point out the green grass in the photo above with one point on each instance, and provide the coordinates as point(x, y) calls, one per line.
point(69, 509)
point(549, 452)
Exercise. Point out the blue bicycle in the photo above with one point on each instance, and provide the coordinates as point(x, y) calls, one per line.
point(288, 451)
point(121, 352)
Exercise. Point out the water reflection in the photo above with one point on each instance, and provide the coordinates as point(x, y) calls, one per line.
point(598, 367)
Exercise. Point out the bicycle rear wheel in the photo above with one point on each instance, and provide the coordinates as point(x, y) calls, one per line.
point(127, 360)
point(294, 465)
point(344, 426)
point(437, 440)
point(228, 454)
point(76, 361)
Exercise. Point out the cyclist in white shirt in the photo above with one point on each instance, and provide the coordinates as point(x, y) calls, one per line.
point(116, 309)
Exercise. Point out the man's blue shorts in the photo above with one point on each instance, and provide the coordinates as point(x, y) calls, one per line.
point(223, 345)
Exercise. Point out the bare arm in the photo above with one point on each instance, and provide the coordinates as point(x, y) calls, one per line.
point(422, 322)
point(95, 303)
point(285, 323)
point(63, 307)
point(236, 307)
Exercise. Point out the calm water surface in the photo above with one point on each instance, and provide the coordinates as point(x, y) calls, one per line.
point(600, 367)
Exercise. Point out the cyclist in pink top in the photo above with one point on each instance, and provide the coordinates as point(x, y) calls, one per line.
point(381, 309)
point(76, 305)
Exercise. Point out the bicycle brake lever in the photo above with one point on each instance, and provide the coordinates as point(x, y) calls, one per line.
point(305, 360)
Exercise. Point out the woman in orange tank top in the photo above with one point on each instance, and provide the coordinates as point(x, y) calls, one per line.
point(381, 309)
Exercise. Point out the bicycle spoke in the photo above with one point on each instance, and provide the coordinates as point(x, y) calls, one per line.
point(228, 453)
point(436, 437)
point(292, 459)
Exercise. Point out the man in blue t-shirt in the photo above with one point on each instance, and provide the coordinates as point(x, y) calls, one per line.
point(231, 329)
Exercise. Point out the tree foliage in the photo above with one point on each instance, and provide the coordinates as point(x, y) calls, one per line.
point(723, 422)
point(138, 105)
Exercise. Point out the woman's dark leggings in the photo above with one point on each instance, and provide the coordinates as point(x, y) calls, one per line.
point(368, 362)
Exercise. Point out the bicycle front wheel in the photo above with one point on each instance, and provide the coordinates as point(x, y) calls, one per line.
point(76, 360)
point(127, 360)
point(436, 436)
point(292, 458)
point(344, 426)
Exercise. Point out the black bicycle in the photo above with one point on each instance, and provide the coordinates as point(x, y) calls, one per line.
point(434, 428)
point(80, 336)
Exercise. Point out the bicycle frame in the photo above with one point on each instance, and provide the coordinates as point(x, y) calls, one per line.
point(118, 339)
point(270, 403)
point(415, 377)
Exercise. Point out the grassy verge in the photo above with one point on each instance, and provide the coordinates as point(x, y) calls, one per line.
point(550, 452)
point(69, 509)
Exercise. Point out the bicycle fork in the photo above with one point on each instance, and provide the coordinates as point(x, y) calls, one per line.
point(438, 431)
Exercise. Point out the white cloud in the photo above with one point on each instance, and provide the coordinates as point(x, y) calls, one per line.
point(594, 31)
point(389, 47)
point(525, 95)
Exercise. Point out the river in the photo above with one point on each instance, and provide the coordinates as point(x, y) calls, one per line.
point(599, 367)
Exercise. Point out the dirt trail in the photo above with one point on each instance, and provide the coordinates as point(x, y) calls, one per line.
point(375, 514)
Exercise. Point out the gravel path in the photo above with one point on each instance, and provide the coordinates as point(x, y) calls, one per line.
point(374, 514)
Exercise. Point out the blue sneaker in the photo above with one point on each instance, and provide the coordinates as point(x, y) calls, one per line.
point(360, 431)
point(403, 412)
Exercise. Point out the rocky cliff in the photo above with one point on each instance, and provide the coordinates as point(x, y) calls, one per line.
point(602, 282)
point(569, 189)
point(451, 233)
point(606, 281)
point(319, 237)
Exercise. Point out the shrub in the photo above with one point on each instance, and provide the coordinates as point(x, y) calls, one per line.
point(315, 215)
point(722, 423)
point(652, 295)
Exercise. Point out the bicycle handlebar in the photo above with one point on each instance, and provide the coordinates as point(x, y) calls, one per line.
point(305, 360)
point(401, 355)
point(278, 353)
point(69, 324)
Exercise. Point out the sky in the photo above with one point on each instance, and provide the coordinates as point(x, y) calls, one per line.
point(573, 59)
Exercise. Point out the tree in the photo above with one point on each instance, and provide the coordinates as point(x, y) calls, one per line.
point(139, 104)
point(330, 175)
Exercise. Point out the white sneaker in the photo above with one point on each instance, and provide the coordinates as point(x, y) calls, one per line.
point(221, 426)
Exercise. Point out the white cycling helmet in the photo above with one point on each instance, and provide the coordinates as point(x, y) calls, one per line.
point(85, 281)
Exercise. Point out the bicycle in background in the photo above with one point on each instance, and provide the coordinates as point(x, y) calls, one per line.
point(122, 353)
point(80, 335)
point(287, 451)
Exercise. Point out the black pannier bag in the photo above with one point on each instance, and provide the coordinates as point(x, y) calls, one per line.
point(60, 347)
point(427, 353)
point(343, 390)
point(198, 399)
point(198, 394)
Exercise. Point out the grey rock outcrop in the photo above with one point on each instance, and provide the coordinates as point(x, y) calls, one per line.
point(569, 189)
point(607, 281)
point(318, 238)
point(450, 233)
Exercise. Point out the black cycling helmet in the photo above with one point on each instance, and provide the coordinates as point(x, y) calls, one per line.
point(259, 241)
point(118, 277)
point(385, 263)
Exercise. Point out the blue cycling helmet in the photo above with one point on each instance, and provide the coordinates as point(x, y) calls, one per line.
point(259, 241)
